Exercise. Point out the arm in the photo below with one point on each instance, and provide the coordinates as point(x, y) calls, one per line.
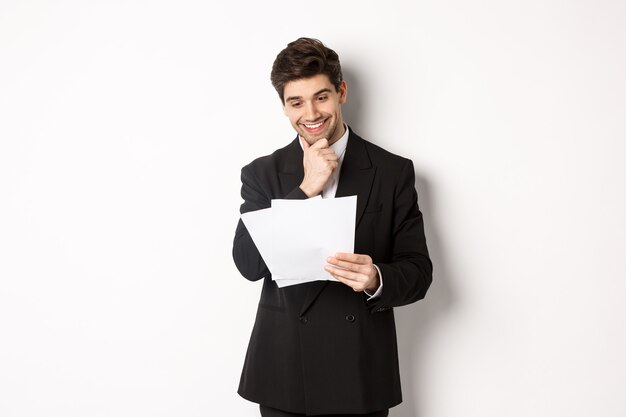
point(245, 253)
point(408, 273)
point(319, 161)
point(256, 197)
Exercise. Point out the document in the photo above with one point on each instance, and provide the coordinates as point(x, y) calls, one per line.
point(295, 237)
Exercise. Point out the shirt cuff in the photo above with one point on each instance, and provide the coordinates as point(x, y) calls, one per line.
point(379, 291)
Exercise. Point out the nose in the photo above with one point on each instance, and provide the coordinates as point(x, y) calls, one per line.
point(311, 113)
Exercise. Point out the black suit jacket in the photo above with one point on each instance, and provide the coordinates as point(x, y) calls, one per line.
point(320, 347)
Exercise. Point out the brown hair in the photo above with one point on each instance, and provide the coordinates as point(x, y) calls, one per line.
point(304, 58)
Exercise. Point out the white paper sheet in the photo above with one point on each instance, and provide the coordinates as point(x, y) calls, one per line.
point(295, 237)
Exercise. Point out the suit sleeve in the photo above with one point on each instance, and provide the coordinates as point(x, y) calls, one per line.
point(256, 196)
point(408, 274)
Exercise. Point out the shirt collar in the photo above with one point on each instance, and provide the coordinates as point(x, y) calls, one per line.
point(340, 146)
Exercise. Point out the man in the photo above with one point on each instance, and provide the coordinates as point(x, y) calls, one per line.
point(326, 347)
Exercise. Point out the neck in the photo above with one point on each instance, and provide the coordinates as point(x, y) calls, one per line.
point(339, 132)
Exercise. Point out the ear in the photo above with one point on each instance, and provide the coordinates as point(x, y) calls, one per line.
point(343, 92)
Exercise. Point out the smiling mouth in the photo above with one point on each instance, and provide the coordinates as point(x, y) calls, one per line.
point(314, 126)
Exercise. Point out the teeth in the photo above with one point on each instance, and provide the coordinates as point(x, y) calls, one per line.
point(315, 126)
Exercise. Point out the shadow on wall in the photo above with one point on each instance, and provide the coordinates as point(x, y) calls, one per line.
point(352, 111)
point(415, 322)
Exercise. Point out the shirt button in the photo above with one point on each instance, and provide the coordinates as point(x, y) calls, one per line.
point(350, 318)
point(303, 320)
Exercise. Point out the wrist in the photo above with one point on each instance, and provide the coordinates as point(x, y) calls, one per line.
point(309, 191)
point(374, 286)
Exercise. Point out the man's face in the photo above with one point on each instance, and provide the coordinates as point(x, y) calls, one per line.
point(314, 108)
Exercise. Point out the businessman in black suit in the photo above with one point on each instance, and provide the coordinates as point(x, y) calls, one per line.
point(329, 348)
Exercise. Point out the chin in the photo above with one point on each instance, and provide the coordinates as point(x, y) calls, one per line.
point(311, 139)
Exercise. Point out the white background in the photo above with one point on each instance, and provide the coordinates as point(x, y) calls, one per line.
point(123, 128)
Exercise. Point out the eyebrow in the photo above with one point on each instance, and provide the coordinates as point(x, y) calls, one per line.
point(323, 90)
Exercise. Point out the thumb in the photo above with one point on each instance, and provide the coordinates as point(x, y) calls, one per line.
point(321, 144)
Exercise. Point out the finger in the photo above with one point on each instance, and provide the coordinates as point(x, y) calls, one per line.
point(355, 285)
point(353, 257)
point(320, 144)
point(345, 274)
point(344, 280)
point(351, 266)
point(323, 153)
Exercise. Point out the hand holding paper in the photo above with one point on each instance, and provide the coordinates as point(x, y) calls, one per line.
point(296, 237)
point(354, 270)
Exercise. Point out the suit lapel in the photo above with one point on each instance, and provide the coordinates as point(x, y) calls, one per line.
point(357, 174)
point(314, 289)
point(356, 178)
point(291, 171)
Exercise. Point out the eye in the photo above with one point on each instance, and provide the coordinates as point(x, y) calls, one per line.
point(322, 98)
point(296, 104)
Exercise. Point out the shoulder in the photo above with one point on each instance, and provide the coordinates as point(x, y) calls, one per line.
point(276, 160)
point(381, 157)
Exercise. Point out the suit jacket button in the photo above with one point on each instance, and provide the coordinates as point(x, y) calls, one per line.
point(303, 320)
point(350, 318)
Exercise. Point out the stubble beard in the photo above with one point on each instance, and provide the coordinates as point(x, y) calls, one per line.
point(329, 135)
